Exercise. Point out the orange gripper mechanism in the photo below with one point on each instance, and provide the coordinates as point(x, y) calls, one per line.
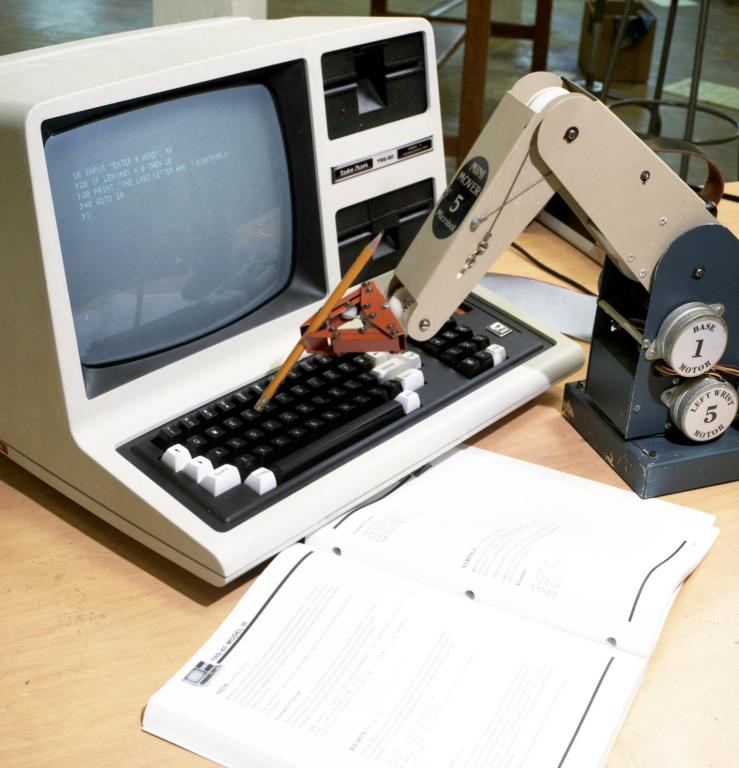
point(379, 330)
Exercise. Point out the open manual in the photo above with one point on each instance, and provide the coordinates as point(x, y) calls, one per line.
point(486, 614)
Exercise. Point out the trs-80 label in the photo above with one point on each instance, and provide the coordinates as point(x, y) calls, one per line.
point(380, 160)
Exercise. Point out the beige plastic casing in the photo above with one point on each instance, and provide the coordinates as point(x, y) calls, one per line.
point(48, 423)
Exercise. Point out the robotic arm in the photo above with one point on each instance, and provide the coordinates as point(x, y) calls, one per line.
point(546, 136)
point(658, 403)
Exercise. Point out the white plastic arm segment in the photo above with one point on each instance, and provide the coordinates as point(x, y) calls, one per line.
point(547, 135)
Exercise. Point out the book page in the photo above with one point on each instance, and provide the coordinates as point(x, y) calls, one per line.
point(326, 663)
point(569, 552)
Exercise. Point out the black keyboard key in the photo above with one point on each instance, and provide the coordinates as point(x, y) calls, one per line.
point(272, 426)
point(363, 402)
point(262, 454)
point(233, 423)
point(336, 440)
point(299, 391)
point(297, 434)
point(288, 417)
point(217, 456)
point(215, 433)
point(336, 393)
point(168, 436)
point(329, 417)
point(307, 366)
point(305, 409)
point(435, 346)
point(314, 427)
point(347, 369)
point(464, 332)
point(244, 397)
point(469, 367)
point(485, 358)
point(468, 346)
point(450, 337)
point(245, 464)
point(315, 382)
point(189, 423)
point(283, 398)
point(254, 435)
point(250, 416)
point(378, 395)
point(225, 404)
point(257, 389)
point(449, 325)
point(352, 385)
point(280, 446)
point(331, 376)
point(393, 388)
point(480, 340)
point(196, 445)
point(346, 409)
point(452, 355)
point(236, 445)
point(320, 401)
point(208, 414)
point(362, 363)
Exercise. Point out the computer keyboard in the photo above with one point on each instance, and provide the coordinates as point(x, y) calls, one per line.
point(226, 462)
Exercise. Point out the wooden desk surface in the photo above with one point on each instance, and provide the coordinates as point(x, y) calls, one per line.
point(92, 623)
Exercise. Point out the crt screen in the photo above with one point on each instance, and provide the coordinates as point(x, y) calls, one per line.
point(174, 219)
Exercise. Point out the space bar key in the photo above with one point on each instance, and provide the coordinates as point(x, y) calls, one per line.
point(336, 440)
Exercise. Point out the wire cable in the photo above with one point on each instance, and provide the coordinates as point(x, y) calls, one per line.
point(551, 270)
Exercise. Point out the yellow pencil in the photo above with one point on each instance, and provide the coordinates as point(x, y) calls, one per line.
point(318, 320)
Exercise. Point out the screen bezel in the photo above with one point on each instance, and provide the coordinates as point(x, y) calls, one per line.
point(287, 84)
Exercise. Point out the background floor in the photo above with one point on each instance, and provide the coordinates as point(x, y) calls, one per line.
point(28, 24)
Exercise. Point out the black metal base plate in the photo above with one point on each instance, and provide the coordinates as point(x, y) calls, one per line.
point(653, 466)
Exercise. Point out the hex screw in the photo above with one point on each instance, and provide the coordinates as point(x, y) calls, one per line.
point(698, 273)
point(645, 176)
point(571, 134)
point(425, 324)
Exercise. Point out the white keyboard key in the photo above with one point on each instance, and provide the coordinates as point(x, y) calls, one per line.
point(389, 369)
point(409, 400)
point(411, 380)
point(377, 358)
point(498, 352)
point(176, 457)
point(393, 367)
point(196, 469)
point(412, 359)
point(221, 480)
point(261, 480)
